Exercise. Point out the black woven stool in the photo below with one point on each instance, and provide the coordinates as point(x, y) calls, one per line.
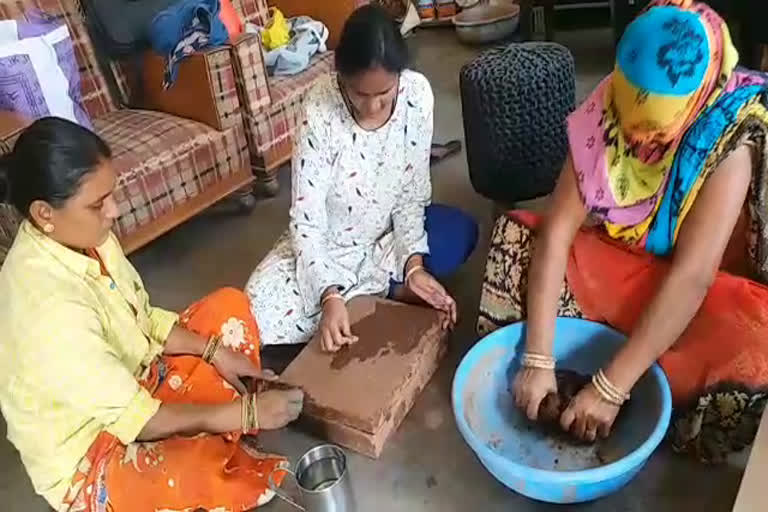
point(515, 101)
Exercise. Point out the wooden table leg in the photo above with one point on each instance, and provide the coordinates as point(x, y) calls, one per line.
point(531, 15)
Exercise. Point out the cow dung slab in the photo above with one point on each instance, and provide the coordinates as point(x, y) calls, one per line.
point(358, 396)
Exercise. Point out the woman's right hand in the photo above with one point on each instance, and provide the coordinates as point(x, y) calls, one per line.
point(530, 387)
point(279, 407)
point(275, 409)
point(334, 329)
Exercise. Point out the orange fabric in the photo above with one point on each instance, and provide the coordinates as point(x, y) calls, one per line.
point(212, 472)
point(727, 340)
point(229, 17)
point(226, 312)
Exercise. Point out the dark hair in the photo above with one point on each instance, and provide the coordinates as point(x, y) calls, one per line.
point(369, 39)
point(48, 163)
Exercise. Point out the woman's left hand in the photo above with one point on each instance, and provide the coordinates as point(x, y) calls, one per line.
point(233, 366)
point(588, 415)
point(429, 289)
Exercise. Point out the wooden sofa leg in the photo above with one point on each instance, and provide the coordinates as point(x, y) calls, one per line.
point(245, 200)
point(268, 186)
point(268, 166)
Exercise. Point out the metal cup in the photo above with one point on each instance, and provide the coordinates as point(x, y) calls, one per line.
point(323, 480)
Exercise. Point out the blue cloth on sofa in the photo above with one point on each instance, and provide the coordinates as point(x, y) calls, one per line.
point(184, 28)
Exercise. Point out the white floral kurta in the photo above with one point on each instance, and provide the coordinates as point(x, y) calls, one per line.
point(357, 210)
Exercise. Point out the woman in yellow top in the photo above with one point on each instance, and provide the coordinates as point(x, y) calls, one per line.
point(114, 404)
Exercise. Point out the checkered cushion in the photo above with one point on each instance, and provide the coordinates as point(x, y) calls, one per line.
point(273, 125)
point(224, 87)
point(164, 161)
point(253, 11)
point(251, 74)
point(125, 79)
point(284, 88)
point(9, 225)
point(223, 83)
point(96, 97)
point(10, 219)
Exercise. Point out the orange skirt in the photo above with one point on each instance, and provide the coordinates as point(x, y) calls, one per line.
point(183, 474)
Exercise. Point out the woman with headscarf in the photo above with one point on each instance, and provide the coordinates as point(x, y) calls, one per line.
point(667, 167)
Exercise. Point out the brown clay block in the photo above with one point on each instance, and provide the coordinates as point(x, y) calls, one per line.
point(367, 443)
point(360, 395)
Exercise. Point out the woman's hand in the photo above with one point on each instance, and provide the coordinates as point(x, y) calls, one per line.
point(278, 408)
point(233, 366)
point(588, 415)
point(429, 289)
point(530, 387)
point(334, 328)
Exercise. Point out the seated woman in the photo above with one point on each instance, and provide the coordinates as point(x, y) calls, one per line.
point(360, 221)
point(668, 158)
point(90, 372)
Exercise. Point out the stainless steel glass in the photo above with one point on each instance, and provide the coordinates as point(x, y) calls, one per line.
point(323, 480)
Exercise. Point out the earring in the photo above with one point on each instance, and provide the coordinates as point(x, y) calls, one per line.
point(48, 228)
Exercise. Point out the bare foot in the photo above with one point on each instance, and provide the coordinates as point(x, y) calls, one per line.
point(278, 408)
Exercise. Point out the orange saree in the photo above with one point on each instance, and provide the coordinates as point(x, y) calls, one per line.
point(183, 474)
point(718, 369)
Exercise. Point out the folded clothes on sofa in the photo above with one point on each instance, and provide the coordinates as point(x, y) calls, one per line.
point(308, 37)
point(184, 28)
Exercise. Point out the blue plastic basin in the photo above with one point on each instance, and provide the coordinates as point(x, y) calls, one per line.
point(539, 465)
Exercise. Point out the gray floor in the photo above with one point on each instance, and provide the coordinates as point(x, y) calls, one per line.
point(426, 466)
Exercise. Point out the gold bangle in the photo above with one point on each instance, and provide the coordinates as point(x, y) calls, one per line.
point(214, 342)
point(607, 390)
point(538, 361)
point(244, 413)
point(254, 407)
point(539, 357)
point(610, 387)
point(329, 296)
point(250, 415)
point(604, 394)
point(412, 271)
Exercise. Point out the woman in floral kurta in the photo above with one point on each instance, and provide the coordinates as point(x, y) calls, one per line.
point(359, 193)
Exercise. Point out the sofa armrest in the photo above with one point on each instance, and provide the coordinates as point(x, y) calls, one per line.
point(251, 74)
point(12, 124)
point(332, 13)
point(205, 89)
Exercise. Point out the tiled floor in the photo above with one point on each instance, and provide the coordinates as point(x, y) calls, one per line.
point(427, 466)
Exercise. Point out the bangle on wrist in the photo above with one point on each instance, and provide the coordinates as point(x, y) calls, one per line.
point(607, 390)
point(538, 361)
point(329, 296)
point(214, 342)
point(249, 414)
point(412, 271)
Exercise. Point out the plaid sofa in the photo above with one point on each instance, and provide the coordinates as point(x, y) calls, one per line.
point(170, 168)
point(272, 105)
